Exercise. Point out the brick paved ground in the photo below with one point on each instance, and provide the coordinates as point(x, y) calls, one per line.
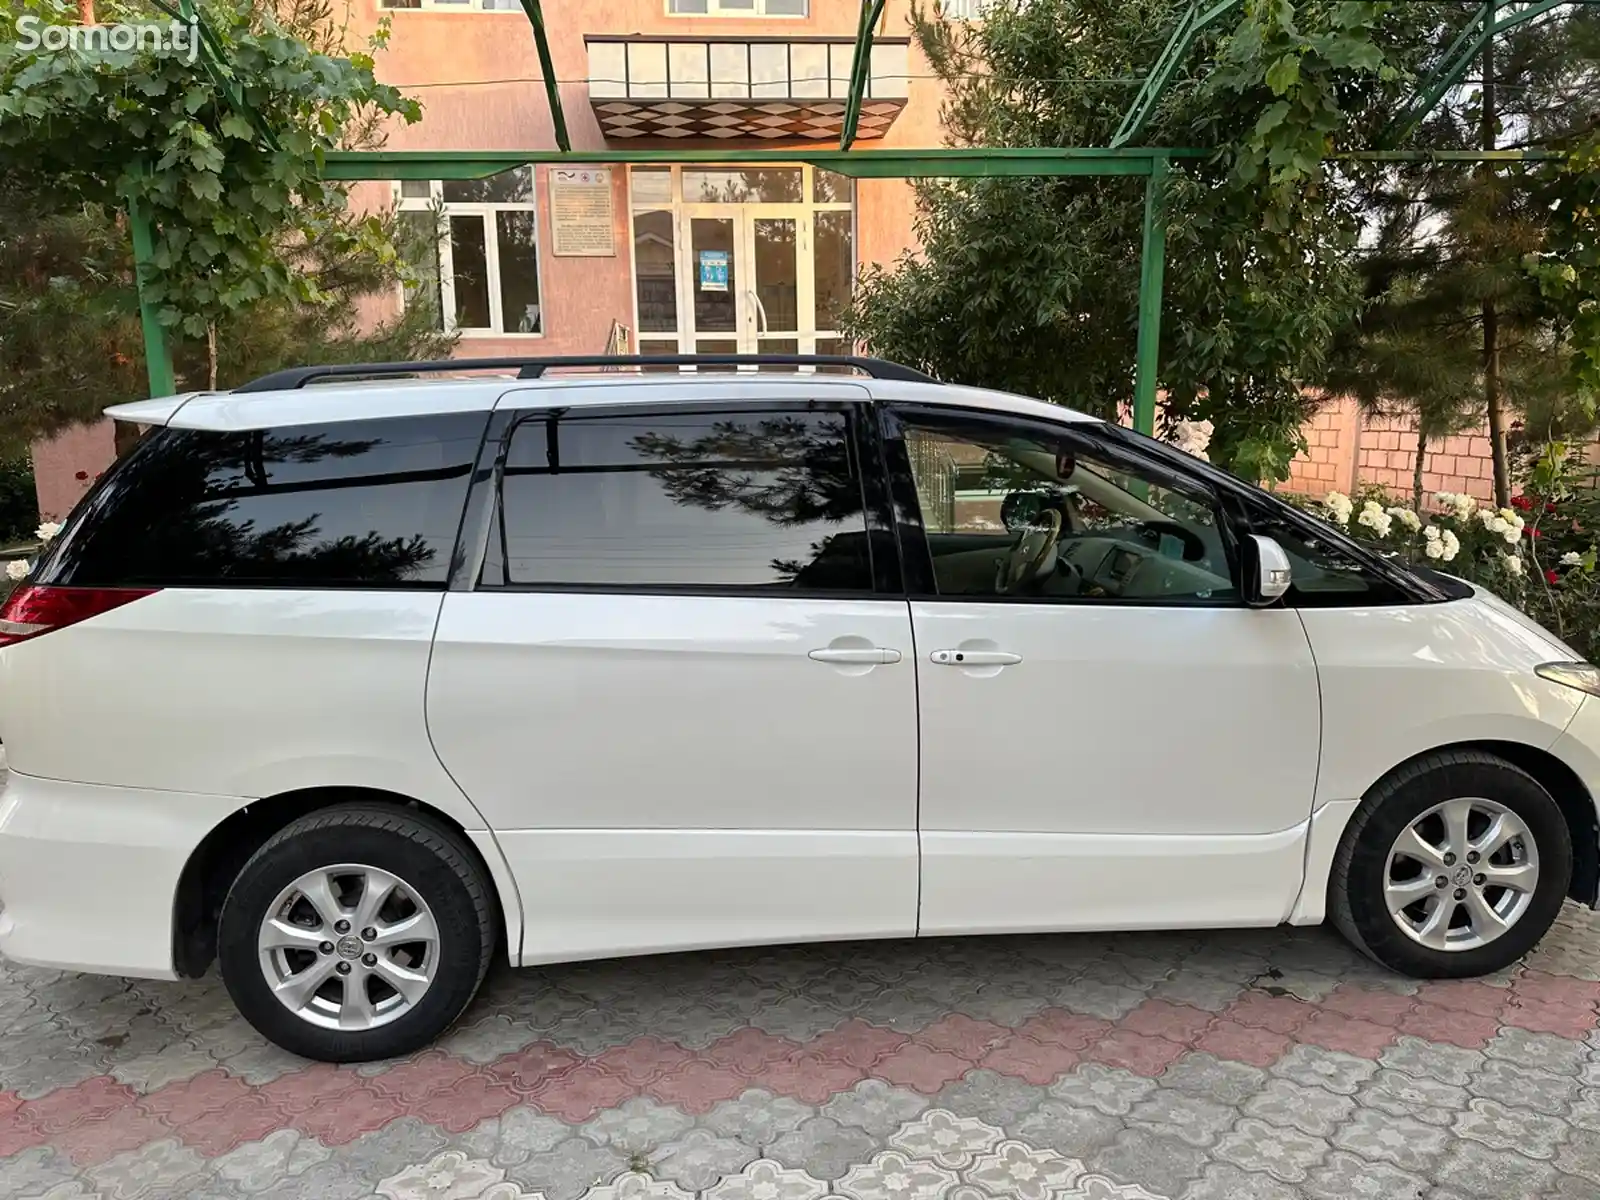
point(1241, 1065)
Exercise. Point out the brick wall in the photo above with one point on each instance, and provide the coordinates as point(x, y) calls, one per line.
point(1346, 451)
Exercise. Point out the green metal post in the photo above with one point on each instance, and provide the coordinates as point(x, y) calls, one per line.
point(157, 354)
point(552, 90)
point(860, 70)
point(1152, 272)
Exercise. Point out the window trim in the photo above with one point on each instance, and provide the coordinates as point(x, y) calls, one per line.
point(475, 6)
point(484, 503)
point(486, 212)
point(715, 11)
point(917, 558)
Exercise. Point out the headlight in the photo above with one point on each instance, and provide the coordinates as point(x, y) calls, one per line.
point(1580, 675)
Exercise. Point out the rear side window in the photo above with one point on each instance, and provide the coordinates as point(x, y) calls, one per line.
point(719, 500)
point(362, 504)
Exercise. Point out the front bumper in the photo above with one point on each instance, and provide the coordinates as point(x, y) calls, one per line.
point(88, 873)
point(1579, 749)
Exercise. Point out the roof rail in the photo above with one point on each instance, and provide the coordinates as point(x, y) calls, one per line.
point(533, 368)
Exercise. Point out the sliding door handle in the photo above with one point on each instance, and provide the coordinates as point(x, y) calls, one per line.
point(859, 655)
point(975, 658)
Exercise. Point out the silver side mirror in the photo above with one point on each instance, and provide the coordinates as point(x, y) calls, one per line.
point(1267, 572)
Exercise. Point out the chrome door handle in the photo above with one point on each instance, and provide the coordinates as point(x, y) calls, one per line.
point(855, 654)
point(760, 311)
point(975, 658)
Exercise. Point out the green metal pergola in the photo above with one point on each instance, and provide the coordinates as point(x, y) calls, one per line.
point(1153, 164)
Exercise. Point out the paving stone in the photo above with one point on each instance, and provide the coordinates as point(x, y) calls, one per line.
point(1220, 1079)
point(568, 1170)
point(1406, 1142)
point(511, 1138)
point(1110, 1090)
point(1524, 1087)
point(1432, 1060)
point(1503, 1128)
point(1581, 1156)
point(987, 1095)
point(823, 1147)
point(1312, 1110)
point(1223, 1181)
point(160, 1168)
point(1345, 1176)
point(1495, 1174)
point(700, 1158)
point(1403, 1095)
point(1285, 1154)
point(255, 1166)
point(1543, 1051)
point(637, 1126)
point(1163, 1165)
point(34, 1171)
point(1190, 1118)
point(1066, 1128)
point(1331, 1069)
point(757, 1118)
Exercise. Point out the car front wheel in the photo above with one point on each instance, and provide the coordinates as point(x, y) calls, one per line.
point(356, 933)
point(1455, 865)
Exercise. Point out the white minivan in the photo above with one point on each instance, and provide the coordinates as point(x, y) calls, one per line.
point(353, 682)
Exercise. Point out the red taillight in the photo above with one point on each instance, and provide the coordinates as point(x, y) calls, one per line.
point(35, 609)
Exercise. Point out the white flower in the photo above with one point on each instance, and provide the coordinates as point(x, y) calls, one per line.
point(1431, 533)
point(1339, 505)
point(1572, 559)
point(47, 531)
point(1375, 519)
point(1512, 563)
point(18, 568)
point(1406, 517)
point(1192, 437)
point(1459, 504)
point(1451, 544)
point(1434, 549)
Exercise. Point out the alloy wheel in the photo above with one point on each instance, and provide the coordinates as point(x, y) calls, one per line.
point(1461, 874)
point(349, 947)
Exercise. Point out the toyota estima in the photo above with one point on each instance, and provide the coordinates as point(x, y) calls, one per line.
point(353, 686)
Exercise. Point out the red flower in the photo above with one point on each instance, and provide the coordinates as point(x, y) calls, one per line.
point(1552, 577)
point(1533, 533)
point(1549, 506)
point(81, 476)
point(1521, 502)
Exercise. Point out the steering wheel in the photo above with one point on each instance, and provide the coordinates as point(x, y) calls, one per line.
point(1033, 546)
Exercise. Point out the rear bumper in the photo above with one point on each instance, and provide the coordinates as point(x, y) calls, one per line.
point(88, 873)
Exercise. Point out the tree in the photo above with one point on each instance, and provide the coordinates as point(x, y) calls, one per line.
point(71, 341)
point(1473, 289)
point(1032, 283)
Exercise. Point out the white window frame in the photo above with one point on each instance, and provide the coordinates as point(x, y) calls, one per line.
point(435, 202)
point(456, 6)
point(714, 9)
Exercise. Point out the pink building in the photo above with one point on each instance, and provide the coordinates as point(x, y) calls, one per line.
point(711, 260)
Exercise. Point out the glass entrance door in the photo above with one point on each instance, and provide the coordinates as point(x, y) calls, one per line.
point(741, 262)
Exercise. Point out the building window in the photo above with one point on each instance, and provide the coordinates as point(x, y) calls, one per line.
point(487, 232)
point(455, 5)
point(737, 8)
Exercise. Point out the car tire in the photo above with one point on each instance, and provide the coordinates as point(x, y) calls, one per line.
point(324, 988)
point(1373, 869)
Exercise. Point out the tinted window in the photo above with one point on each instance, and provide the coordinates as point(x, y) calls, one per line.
point(769, 499)
point(357, 504)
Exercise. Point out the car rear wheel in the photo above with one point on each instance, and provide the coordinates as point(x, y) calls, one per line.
point(356, 933)
point(1455, 865)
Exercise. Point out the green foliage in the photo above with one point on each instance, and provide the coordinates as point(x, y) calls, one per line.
point(19, 501)
point(1567, 271)
point(72, 342)
point(1032, 284)
point(106, 128)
